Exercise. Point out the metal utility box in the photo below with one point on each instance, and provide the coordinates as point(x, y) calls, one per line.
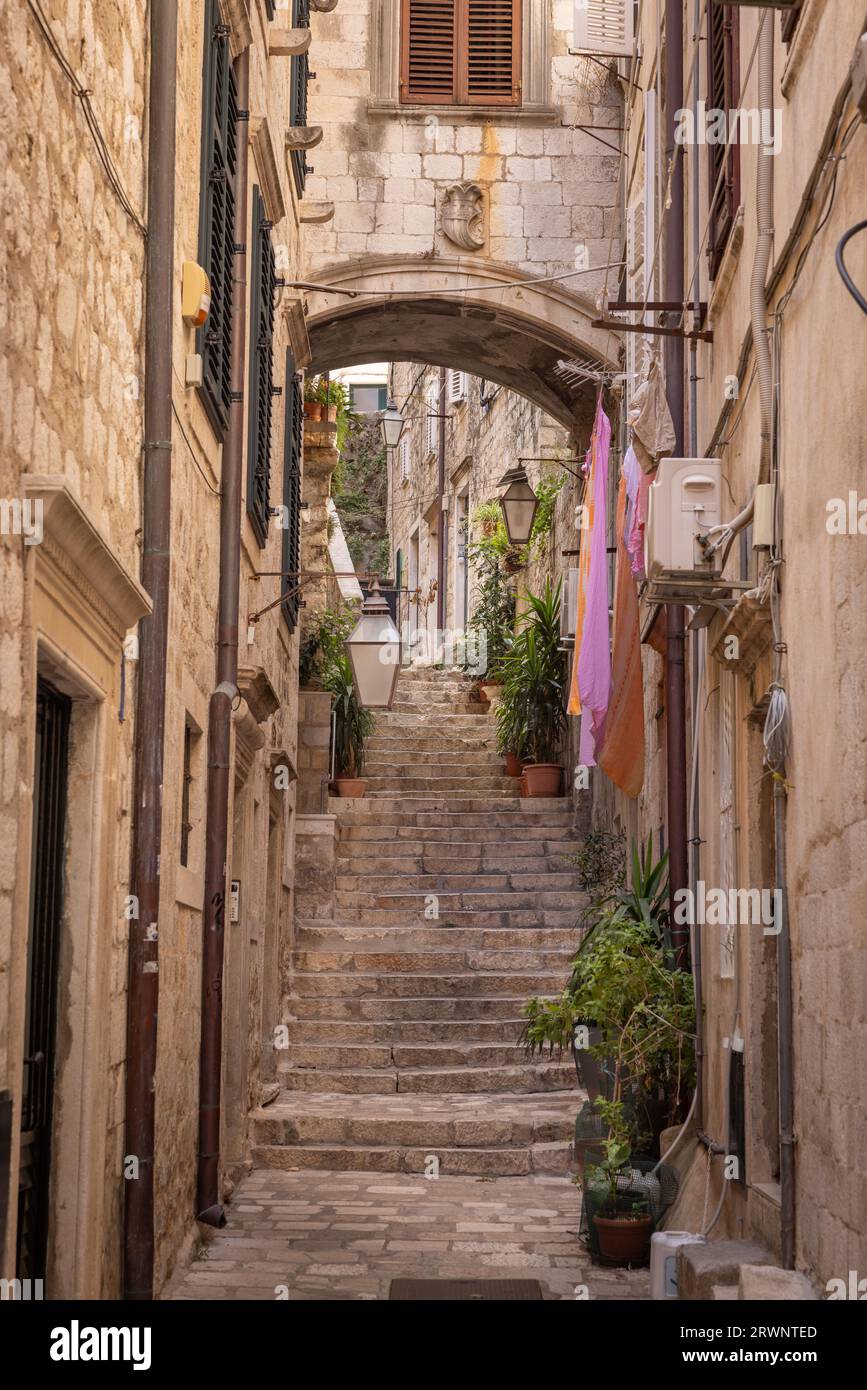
point(683, 504)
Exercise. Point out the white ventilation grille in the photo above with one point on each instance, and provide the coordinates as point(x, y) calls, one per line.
point(605, 27)
point(457, 387)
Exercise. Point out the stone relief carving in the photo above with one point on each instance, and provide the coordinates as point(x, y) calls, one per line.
point(462, 216)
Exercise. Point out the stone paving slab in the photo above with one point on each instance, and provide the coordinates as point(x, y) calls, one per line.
point(345, 1235)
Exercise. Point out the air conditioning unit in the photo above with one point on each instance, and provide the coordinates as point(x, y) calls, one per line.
point(604, 27)
point(569, 607)
point(683, 503)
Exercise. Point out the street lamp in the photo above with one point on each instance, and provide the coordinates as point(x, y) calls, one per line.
point(519, 503)
point(392, 424)
point(373, 648)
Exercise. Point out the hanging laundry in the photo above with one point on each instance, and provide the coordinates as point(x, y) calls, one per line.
point(591, 668)
point(622, 754)
point(652, 426)
point(634, 526)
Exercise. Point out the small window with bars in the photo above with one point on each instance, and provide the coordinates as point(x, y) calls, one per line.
point(403, 458)
point(724, 164)
point(299, 78)
point(432, 421)
point(217, 215)
point(460, 52)
point(262, 290)
point(293, 441)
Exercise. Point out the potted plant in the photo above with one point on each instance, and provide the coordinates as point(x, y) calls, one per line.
point(511, 730)
point(620, 1213)
point(490, 629)
point(353, 725)
point(312, 398)
point(534, 684)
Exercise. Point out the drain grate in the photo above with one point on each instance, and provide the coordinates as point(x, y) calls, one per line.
point(464, 1290)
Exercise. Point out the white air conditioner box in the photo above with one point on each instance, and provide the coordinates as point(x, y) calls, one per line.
point(569, 606)
point(683, 503)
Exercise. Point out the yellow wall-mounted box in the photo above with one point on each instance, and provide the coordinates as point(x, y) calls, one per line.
point(195, 294)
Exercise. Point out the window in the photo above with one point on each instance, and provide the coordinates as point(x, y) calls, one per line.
point(460, 52)
point(299, 78)
point(432, 424)
point(189, 793)
point(262, 289)
point(292, 446)
point(367, 400)
point(457, 387)
point(403, 456)
point(217, 215)
point(724, 164)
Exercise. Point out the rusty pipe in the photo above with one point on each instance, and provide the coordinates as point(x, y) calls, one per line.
point(208, 1205)
point(143, 957)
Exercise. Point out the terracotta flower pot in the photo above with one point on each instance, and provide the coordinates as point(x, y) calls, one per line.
point(623, 1240)
point(524, 791)
point(543, 779)
point(313, 410)
point(492, 692)
point(514, 765)
point(349, 786)
point(331, 413)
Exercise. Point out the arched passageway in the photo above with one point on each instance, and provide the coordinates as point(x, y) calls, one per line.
point(476, 316)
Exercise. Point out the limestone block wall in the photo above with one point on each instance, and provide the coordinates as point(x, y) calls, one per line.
point(547, 188)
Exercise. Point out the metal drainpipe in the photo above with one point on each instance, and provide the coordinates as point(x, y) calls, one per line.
point(208, 1204)
point(695, 826)
point(442, 527)
point(674, 361)
point(143, 987)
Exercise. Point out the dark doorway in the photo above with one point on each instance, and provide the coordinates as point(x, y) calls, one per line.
point(43, 949)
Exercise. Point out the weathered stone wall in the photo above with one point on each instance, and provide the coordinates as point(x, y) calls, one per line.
point(71, 394)
point(547, 188)
point(821, 411)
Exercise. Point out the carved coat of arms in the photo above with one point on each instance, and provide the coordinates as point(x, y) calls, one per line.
point(463, 215)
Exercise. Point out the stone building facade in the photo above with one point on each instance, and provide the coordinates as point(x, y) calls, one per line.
point(815, 335)
point(72, 419)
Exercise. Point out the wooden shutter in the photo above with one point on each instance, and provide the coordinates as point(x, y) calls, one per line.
point(493, 52)
point(299, 78)
point(461, 52)
point(217, 217)
point(292, 446)
point(723, 92)
point(604, 27)
point(262, 289)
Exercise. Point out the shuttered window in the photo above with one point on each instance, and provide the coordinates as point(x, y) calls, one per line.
point(723, 94)
point(262, 291)
point(461, 52)
point(292, 446)
point(300, 76)
point(217, 214)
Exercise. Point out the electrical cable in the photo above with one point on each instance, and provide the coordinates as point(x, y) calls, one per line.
point(90, 117)
point(841, 264)
point(205, 479)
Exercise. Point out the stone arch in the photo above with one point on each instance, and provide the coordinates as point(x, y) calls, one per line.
point(514, 335)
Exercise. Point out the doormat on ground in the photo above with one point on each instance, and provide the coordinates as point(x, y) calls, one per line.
point(459, 1290)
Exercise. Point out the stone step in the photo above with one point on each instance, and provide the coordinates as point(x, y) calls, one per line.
point(430, 962)
point(491, 815)
point(454, 724)
point(505, 1080)
point(438, 865)
point(495, 1163)
point(464, 917)
point(471, 782)
point(534, 856)
point(415, 1009)
point(455, 1032)
point(400, 985)
point(397, 1055)
point(502, 882)
point(408, 745)
point(312, 933)
point(400, 763)
point(468, 900)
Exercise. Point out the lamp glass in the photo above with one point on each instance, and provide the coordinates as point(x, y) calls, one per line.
point(519, 503)
point(373, 648)
point(392, 425)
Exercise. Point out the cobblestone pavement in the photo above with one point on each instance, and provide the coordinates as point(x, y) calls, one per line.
point(342, 1235)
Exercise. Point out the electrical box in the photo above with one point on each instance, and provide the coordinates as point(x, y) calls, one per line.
point(684, 502)
point(195, 294)
point(569, 606)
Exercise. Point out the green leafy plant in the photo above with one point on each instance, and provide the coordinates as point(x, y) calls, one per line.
point(534, 678)
point(547, 491)
point(608, 1174)
point(322, 643)
point(493, 618)
point(353, 723)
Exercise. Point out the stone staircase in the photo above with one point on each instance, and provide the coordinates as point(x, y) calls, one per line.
point(454, 901)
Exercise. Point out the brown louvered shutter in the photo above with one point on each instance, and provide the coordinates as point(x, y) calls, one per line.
point(493, 46)
point(292, 452)
point(263, 285)
point(429, 51)
point(461, 52)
